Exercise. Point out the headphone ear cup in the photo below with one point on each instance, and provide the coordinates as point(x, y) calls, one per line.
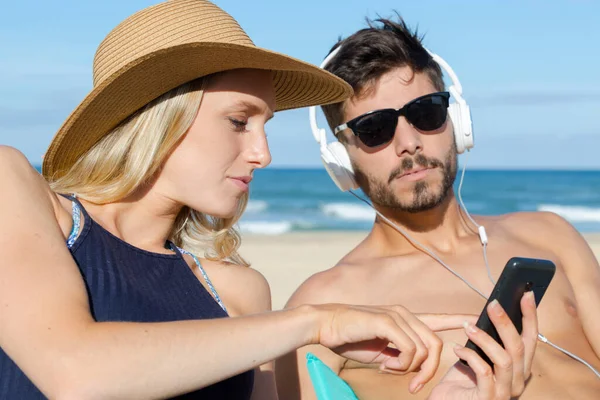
point(455, 116)
point(467, 126)
point(337, 163)
point(463, 129)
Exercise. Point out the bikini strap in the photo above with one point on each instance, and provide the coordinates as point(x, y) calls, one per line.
point(204, 275)
point(76, 216)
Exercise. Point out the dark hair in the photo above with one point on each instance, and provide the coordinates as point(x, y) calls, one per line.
point(370, 53)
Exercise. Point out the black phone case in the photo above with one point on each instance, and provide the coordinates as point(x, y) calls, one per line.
point(519, 276)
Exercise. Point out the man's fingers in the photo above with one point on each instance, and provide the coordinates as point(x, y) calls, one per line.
point(511, 363)
point(530, 330)
point(483, 372)
point(503, 365)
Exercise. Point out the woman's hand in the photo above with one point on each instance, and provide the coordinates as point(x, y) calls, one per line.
point(391, 336)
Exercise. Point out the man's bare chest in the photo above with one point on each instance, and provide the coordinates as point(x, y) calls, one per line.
point(423, 285)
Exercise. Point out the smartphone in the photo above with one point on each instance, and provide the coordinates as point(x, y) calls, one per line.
point(520, 275)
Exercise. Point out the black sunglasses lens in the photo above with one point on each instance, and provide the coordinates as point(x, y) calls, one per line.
point(429, 113)
point(376, 128)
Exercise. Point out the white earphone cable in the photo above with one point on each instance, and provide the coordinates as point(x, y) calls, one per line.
point(541, 337)
point(484, 242)
point(480, 229)
point(420, 246)
point(456, 90)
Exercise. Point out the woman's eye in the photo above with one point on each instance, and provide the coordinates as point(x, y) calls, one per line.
point(237, 124)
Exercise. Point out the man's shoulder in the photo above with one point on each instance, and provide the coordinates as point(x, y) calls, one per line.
point(536, 226)
point(554, 234)
point(533, 220)
point(329, 286)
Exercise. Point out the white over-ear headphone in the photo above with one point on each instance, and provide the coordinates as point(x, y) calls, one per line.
point(335, 157)
point(337, 162)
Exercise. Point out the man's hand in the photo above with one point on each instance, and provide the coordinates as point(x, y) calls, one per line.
point(512, 364)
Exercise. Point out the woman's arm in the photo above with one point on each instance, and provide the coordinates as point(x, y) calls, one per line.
point(47, 329)
point(245, 291)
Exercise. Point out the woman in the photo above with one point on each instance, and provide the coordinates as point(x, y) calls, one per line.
point(102, 291)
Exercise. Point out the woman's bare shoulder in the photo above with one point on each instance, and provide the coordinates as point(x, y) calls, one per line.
point(20, 180)
point(244, 290)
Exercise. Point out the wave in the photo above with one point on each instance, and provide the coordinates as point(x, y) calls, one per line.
point(348, 211)
point(256, 206)
point(573, 213)
point(266, 228)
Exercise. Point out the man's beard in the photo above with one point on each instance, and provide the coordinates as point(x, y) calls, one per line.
point(424, 195)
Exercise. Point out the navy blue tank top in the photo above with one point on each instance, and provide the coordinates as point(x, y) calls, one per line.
point(125, 283)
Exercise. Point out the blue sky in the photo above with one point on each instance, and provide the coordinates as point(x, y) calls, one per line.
point(529, 69)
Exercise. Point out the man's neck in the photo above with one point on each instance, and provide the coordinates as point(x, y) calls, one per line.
point(440, 228)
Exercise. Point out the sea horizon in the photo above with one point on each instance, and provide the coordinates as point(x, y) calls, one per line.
point(477, 168)
point(290, 199)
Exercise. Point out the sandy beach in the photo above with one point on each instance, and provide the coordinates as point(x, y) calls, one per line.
point(287, 260)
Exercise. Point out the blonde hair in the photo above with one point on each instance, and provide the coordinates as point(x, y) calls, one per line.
point(131, 155)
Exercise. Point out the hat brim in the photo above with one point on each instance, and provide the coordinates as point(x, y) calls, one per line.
point(297, 84)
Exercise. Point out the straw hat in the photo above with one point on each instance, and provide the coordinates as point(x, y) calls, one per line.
point(164, 46)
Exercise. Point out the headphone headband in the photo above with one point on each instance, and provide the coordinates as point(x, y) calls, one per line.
point(455, 89)
point(335, 157)
point(448, 70)
point(320, 135)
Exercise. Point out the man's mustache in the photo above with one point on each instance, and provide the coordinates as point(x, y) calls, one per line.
point(408, 163)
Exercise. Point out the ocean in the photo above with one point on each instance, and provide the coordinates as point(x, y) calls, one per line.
point(286, 200)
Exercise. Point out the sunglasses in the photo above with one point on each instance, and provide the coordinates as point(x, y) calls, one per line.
point(426, 113)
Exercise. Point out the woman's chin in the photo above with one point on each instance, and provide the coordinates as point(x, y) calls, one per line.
point(224, 213)
point(220, 207)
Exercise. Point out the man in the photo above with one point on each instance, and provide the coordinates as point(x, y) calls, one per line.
point(408, 174)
